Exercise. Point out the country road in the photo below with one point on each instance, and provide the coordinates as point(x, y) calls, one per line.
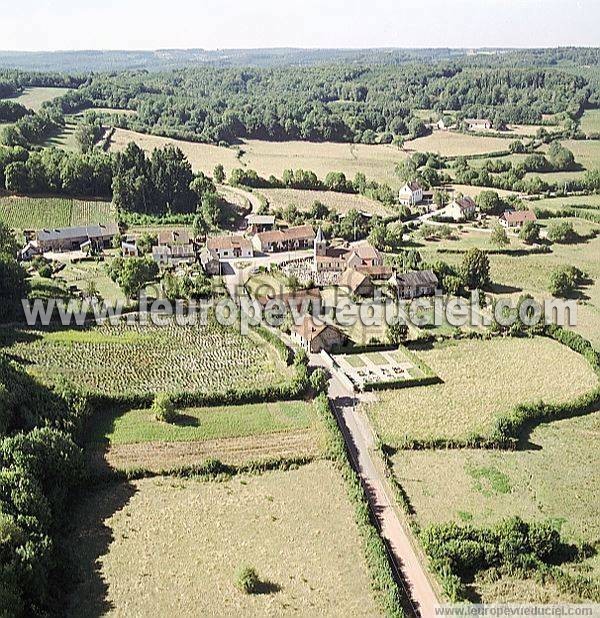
point(360, 440)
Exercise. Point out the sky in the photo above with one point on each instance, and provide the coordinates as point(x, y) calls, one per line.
point(216, 24)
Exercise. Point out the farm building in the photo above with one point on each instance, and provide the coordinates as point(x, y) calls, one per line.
point(71, 239)
point(315, 336)
point(411, 193)
point(478, 124)
point(260, 223)
point(517, 218)
point(461, 208)
point(291, 239)
point(414, 284)
point(165, 255)
point(357, 283)
point(225, 247)
point(171, 238)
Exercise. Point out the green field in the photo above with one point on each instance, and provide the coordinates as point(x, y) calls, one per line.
point(481, 380)
point(64, 138)
point(140, 359)
point(556, 479)
point(182, 542)
point(590, 121)
point(135, 426)
point(34, 98)
point(34, 213)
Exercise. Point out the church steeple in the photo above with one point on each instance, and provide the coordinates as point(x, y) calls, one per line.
point(320, 243)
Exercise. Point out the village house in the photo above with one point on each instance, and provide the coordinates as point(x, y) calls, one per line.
point(209, 260)
point(290, 239)
point(85, 237)
point(129, 248)
point(478, 124)
point(259, 223)
point(226, 247)
point(338, 259)
point(410, 194)
point(308, 300)
point(414, 284)
point(357, 283)
point(174, 247)
point(517, 218)
point(315, 336)
point(460, 209)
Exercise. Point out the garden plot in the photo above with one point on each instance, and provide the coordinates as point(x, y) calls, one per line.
point(368, 368)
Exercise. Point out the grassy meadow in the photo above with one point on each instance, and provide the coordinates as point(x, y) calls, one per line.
point(184, 541)
point(481, 381)
point(555, 479)
point(33, 98)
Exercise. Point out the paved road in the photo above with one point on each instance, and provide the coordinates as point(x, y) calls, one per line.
point(360, 440)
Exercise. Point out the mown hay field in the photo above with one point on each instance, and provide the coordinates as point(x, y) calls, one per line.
point(24, 213)
point(130, 359)
point(33, 98)
point(554, 480)
point(587, 152)
point(184, 541)
point(482, 380)
point(341, 202)
point(590, 121)
point(452, 144)
point(203, 157)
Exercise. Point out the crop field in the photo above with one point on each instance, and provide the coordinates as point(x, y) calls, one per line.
point(183, 542)
point(341, 202)
point(475, 191)
point(33, 98)
point(482, 380)
point(141, 359)
point(450, 144)
point(24, 213)
point(557, 480)
point(590, 121)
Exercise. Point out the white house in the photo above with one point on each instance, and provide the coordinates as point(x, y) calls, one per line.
point(478, 124)
point(411, 193)
point(460, 209)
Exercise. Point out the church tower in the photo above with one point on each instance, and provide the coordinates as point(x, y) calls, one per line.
point(320, 244)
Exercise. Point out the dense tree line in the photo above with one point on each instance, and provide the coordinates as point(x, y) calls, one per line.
point(10, 111)
point(336, 102)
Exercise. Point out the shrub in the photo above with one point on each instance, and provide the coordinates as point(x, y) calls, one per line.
point(163, 408)
point(247, 580)
point(318, 381)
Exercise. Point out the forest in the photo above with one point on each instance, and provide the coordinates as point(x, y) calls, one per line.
point(361, 104)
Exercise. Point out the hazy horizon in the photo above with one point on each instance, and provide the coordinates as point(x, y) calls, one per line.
point(136, 25)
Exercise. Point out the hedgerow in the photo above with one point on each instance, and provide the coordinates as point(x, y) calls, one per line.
point(382, 578)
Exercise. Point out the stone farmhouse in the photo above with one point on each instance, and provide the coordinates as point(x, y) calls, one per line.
point(290, 239)
point(339, 259)
point(460, 209)
point(226, 247)
point(315, 336)
point(414, 284)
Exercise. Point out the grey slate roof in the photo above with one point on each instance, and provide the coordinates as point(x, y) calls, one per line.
point(75, 233)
